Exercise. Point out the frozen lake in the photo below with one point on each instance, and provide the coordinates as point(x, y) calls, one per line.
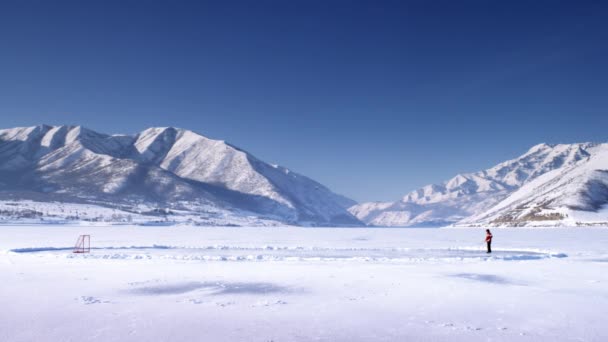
point(302, 284)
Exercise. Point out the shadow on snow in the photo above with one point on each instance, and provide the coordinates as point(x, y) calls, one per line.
point(213, 288)
point(485, 278)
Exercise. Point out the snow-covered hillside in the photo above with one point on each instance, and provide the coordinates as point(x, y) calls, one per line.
point(170, 175)
point(475, 198)
point(167, 169)
point(574, 195)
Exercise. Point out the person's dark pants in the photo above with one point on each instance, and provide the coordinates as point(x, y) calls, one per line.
point(489, 243)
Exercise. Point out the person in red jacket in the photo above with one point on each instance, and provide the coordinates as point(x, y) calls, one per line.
point(489, 240)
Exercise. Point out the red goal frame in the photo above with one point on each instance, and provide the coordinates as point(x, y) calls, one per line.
point(83, 244)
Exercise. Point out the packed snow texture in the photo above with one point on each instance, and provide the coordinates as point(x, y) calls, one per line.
point(168, 169)
point(550, 185)
point(295, 284)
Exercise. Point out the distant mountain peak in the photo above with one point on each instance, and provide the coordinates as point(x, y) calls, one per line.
point(171, 166)
point(470, 194)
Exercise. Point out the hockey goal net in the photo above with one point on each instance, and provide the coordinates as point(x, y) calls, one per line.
point(83, 244)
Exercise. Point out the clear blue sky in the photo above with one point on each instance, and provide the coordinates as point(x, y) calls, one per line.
point(372, 98)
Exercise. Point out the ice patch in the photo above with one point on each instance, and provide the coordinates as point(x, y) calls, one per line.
point(40, 249)
point(486, 278)
point(168, 289)
point(212, 288)
point(294, 254)
point(51, 249)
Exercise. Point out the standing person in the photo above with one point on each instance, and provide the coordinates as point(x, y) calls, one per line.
point(489, 240)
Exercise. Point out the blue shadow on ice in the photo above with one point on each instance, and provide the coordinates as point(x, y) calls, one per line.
point(212, 288)
point(52, 249)
point(40, 249)
point(486, 278)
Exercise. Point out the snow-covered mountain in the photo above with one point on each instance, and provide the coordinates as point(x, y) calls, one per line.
point(573, 195)
point(61, 173)
point(536, 179)
point(168, 169)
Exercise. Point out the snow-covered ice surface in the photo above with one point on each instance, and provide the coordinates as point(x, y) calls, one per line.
point(298, 284)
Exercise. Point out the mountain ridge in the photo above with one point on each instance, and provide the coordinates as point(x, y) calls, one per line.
point(164, 165)
point(470, 194)
point(183, 176)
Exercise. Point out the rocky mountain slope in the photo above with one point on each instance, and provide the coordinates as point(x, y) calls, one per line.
point(474, 198)
point(163, 168)
point(574, 195)
point(170, 175)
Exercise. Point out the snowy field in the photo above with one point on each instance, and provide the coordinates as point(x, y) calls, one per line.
point(295, 284)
